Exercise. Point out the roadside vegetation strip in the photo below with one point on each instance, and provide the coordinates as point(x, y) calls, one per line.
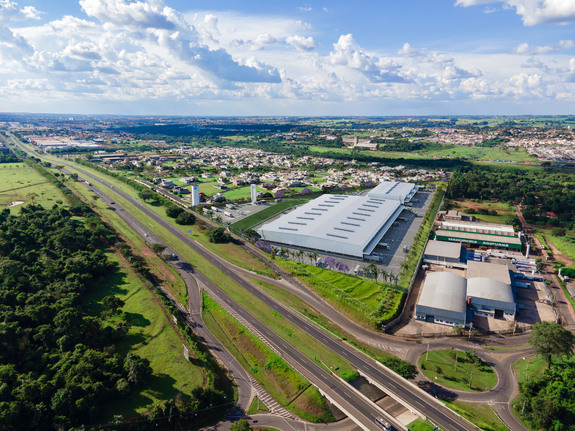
point(401, 367)
point(257, 406)
point(478, 414)
point(421, 425)
point(282, 382)
point(151, 336)
point(278, 323)
point(530, 366)
point(459, 370)
point(409, 265)
point(362, 299)
point(270, 211)
point(236, 254)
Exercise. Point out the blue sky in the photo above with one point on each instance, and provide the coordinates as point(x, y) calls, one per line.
point(368, 57)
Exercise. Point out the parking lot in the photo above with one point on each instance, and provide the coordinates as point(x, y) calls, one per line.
point(232, 213)
point(403, 232)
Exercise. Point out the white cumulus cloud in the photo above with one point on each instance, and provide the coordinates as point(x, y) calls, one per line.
point(301, 43)
point(534, 12)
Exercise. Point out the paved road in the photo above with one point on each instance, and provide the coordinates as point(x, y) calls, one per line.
point(363, 363)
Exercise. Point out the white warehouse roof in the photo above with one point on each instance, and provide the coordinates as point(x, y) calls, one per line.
point(340, 224)
point(402, 192)
point(445, 291)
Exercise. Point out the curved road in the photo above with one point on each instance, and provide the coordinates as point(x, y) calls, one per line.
point(505, 387)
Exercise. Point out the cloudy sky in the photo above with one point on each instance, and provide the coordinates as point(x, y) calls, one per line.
point(265, 57)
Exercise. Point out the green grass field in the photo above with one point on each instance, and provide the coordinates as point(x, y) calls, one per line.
point(440, 367)
point(21, 183)
point(150, 336)
point(267, 212)
point(565, 244)
point(531, 366)
point(454, 151)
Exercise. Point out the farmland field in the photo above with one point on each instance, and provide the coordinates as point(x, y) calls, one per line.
point(21, 183)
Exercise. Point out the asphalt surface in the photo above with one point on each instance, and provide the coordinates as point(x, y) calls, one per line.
point(438, 414)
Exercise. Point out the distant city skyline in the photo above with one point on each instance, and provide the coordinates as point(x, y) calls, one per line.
point(370, 57)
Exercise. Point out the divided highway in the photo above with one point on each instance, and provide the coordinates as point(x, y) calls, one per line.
point(362, 410)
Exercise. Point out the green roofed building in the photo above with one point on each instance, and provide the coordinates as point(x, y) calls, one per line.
point(488, 240)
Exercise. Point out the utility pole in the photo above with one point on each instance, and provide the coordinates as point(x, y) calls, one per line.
point(427, 353)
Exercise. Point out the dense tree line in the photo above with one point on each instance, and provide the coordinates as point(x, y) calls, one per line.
point(540, 191)
point(547, 400)
point(58, 366)
point(407, 146)
point(6, 156)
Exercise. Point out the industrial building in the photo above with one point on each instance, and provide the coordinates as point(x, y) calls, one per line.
point(445, 253)
point(442, 299)
point(492, 235)
point(487, 291)
point(337, 224)
point(394, 190)
point(345, 225)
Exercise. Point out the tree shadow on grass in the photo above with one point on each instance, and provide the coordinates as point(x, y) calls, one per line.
point(136, 319)
point(143, 397)
point(107, 284)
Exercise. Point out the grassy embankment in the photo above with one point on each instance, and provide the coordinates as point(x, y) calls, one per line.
point(283, 383)
point(302, 307)
point(481, 415)
point(366, 301)
point(421, 425)
point(152, 337)
point(21, 183)
point(463, 375)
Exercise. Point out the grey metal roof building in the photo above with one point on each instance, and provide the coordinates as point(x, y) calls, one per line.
point(444, 253)
point(395, 190)
point(442, 299)
point(492, 270)
point(490, 297)
point(337, 224)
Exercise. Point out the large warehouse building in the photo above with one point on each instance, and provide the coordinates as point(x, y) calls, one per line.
point(343, 225)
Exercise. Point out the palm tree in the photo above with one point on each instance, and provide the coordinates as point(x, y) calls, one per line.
point(300, 255)
point(313, 256)
point(372, 270)
point(384, 274)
